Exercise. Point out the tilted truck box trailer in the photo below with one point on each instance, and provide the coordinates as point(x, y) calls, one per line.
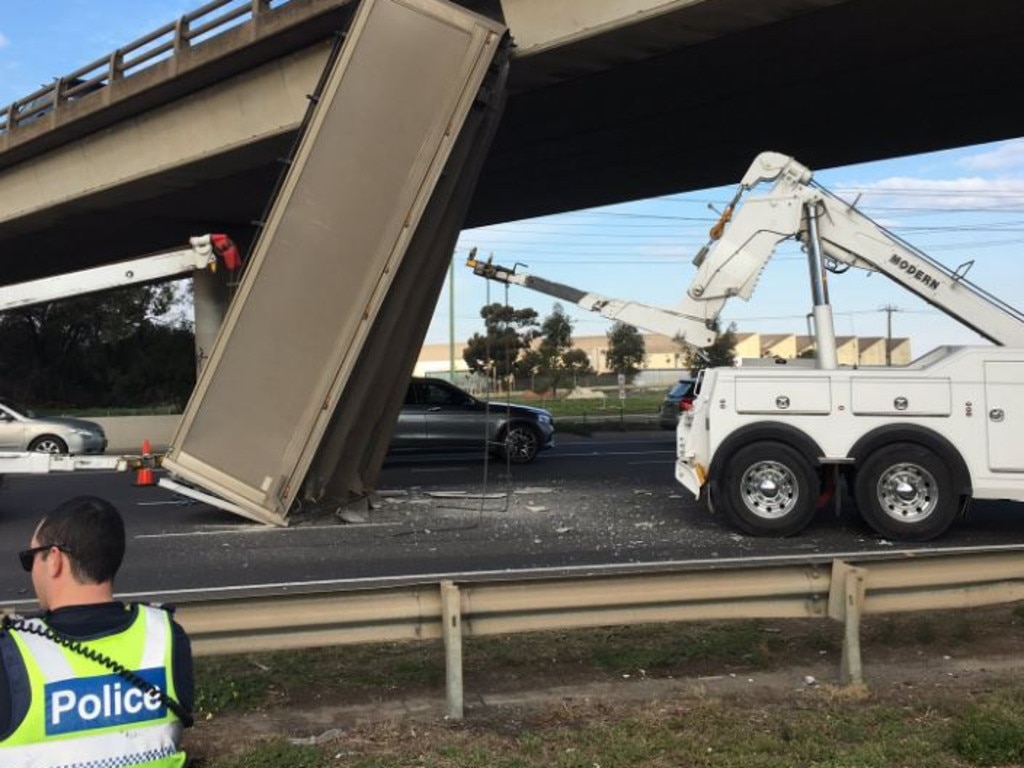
point(348, 264)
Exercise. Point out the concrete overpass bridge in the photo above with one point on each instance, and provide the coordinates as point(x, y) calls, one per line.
point(192, 128)
point(609, 100)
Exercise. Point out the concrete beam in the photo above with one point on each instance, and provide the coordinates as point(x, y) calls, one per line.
point(542, 24)
point(259, 104)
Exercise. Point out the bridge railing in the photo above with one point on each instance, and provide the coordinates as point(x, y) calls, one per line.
point(212, 19)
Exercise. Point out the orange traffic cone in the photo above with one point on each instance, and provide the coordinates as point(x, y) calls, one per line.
point(144, 474)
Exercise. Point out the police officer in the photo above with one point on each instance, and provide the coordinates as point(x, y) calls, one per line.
point(92, 681)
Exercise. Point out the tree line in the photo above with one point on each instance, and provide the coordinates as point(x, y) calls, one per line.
point(109, 350)
point(116, 350)
point(507, 351)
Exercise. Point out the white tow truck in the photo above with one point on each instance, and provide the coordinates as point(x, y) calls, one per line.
point(768, 446)
point(202, 253)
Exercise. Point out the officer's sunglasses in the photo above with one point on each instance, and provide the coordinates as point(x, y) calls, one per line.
point(28, 556)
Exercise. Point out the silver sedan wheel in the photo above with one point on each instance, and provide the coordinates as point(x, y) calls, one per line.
point(48, 444)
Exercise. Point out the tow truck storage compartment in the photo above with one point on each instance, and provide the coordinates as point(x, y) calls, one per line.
point(886, 396)
point(771, 394)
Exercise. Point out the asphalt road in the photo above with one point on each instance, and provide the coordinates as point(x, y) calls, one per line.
point(606, 499)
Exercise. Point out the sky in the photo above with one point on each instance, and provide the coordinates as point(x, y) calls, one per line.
point(958, 206)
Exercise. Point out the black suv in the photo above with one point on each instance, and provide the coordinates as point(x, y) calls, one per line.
point(678, 399)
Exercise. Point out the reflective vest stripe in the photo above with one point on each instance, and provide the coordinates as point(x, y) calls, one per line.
point(53, 662)
point(138, 746)
point(50, 657)
point(157, 636)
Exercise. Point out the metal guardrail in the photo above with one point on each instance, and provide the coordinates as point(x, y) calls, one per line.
point(843, 589)
point(210, 20)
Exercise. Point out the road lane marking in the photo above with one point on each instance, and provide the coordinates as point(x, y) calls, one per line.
point(609, 453)
point(265, 529)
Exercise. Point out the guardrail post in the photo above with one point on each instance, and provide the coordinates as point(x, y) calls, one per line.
point(115, 66)
point(60, 93)
point(845, 604)
point(181, 34)
point(451, 632)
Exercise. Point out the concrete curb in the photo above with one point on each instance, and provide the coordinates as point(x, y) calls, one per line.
point(126, 433)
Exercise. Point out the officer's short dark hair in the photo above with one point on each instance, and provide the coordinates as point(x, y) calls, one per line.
point(91, 530)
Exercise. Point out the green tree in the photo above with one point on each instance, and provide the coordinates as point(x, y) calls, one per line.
point(626, 350)
point(721, 353)
point(555, 360)
point(508, 332)
point(577, 363)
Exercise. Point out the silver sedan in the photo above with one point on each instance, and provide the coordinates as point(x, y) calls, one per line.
point(21, 431)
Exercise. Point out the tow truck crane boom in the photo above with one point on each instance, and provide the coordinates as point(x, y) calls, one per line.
point(201, 254)
point(692, 330)
point(835, 235)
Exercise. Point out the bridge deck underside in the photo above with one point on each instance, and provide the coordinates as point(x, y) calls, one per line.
point(594, 122)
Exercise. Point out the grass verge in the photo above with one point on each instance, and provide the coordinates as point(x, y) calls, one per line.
point(952, 723)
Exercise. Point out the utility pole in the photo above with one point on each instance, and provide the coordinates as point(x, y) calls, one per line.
point(451, 321)
point(889, 309)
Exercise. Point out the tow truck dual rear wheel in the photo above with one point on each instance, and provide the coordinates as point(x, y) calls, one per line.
point(905, 492)
point(768, 489)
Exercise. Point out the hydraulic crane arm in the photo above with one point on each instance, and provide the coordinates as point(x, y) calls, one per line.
point(849, 237)
point(202, 254)
point(835, 233)
point(672, 324)
point(751, 241)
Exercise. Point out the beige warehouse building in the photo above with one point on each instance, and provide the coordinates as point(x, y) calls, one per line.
point(664, 354)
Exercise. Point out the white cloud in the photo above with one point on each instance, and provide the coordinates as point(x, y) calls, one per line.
point(4, 42)
point(1007, 155)
point(946, 194)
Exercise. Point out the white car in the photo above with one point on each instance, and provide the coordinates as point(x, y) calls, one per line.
point(21, 431)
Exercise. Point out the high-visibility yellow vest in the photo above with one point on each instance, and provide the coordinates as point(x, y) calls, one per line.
point(84, 715)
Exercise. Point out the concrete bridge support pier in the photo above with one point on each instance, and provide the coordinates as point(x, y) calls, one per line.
point(211, 296)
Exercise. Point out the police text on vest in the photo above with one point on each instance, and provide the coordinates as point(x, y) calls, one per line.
point(88, 703)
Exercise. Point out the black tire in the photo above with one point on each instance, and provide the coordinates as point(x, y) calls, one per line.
point(905, 492)
point(520, 444)
point(768, 489)
point(48, 444)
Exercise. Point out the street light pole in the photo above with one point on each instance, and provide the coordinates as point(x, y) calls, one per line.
point(451, 321)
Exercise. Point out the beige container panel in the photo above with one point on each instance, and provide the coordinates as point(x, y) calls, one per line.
point(779, 395)
point(390, 112)
point(900, 397)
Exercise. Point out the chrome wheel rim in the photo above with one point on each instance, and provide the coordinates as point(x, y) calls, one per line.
point(521, 444)
point(907, 492)
point(769, 490)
